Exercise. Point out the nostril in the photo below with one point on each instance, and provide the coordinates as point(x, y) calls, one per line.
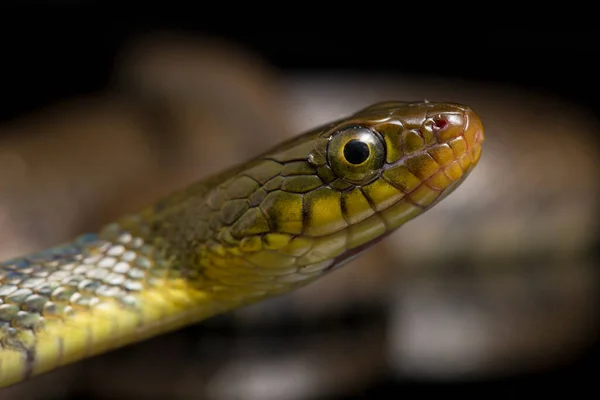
point(440, 124)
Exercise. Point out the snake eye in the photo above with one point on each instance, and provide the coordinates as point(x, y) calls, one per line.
point(356, 154)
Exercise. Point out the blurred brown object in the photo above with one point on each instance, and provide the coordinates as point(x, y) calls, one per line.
point(178, 112)
point(60, 168)
point(477, 286)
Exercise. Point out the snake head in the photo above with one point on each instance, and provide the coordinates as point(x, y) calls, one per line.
point(315, 201)
point(388, 163)
point(395, 159)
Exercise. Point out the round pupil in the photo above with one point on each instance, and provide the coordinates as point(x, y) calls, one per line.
point(356, 152)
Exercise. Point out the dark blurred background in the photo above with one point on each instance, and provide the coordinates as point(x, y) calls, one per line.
point(78, 46)
point(53, 55)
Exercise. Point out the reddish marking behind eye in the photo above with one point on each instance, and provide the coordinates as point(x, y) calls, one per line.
point(440, 124)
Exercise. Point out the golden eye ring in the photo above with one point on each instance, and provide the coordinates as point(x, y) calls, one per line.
point(356, 154)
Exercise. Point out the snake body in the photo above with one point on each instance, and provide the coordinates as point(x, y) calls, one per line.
point(257, 230)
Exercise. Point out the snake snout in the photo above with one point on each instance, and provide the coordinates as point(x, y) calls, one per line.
point(473, 132)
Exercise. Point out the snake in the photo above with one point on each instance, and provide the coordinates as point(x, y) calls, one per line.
point(254, 231)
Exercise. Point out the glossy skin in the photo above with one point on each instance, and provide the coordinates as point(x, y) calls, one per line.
point(257, 230)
